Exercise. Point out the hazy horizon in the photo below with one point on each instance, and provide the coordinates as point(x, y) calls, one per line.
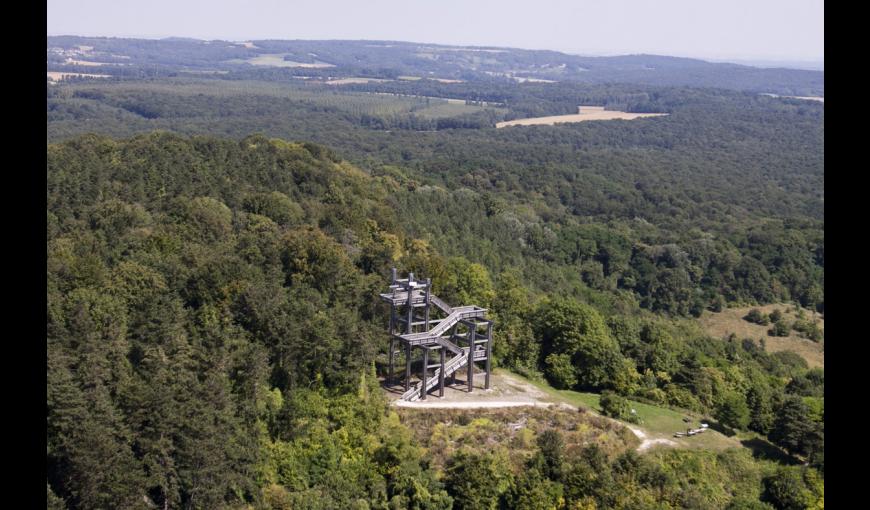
point(774, 32)
point(811, 65)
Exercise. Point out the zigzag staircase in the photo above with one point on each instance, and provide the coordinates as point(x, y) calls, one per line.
point(455, 363)
point(406, 298)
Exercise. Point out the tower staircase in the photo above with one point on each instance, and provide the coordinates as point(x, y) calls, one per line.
point(406, 297)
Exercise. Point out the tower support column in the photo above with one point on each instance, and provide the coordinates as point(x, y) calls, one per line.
point(472, 333)
point(407, 367)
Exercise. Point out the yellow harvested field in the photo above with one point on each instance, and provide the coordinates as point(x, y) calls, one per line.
point(521, 79)
point(248, 44)
point(730, 320)
point(56, 76)
point(72, 62)
point(585, 113)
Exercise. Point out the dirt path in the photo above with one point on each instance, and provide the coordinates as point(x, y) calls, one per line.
point(647, 443)
point(475, 404)
point(508, 391)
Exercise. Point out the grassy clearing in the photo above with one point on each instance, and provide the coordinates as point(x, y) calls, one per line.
point(444, 108)
point(730, 320)
point(350, 81)
point(656, 422)
point(277, 60)
point(330, 96)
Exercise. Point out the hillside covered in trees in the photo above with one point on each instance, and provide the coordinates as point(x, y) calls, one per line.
point(191, 362)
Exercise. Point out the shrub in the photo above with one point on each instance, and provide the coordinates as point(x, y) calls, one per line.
point(781, 328)
point(560, 372)
point(717, 304)
point(775, 315)
point(755, 316)
point(809, 329)
point(614, 405)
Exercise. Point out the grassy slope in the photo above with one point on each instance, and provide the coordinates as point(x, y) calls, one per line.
point(730, 320)
point(657, 422)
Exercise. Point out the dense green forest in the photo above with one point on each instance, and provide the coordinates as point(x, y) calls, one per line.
point(214, 337)
point(719, 202)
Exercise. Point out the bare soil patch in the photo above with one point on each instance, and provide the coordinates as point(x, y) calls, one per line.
point(505, 391)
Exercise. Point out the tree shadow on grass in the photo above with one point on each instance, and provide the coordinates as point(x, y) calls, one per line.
point(762, 449)
point(718, 427)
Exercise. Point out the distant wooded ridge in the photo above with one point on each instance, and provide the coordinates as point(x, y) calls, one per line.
point(394, 59)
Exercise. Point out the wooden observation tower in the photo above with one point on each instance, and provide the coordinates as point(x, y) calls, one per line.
point(458, 340)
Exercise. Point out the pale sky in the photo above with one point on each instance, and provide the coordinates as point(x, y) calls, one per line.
point(713, 29)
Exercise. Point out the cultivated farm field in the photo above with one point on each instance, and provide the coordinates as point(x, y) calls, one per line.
point(58, 76)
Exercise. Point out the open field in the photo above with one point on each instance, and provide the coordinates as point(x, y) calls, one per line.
point(730, 320)
point(87, 63)
point(57, 76)
point(510, 390)
point(348, 81)
point(806, 98)
point(585, 113)
point(277, 60)
point(521, 79)
point(657, 426)
point(447, 99)
point(356, 102)
point(417, 78)
point(452, 108)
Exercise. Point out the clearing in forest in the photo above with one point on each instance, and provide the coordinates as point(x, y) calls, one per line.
point(87, 63)
point(730, 320)
point(277, 60)
point(512, 391)
point(584, 113)
point(348, 81)
point(57, 76)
